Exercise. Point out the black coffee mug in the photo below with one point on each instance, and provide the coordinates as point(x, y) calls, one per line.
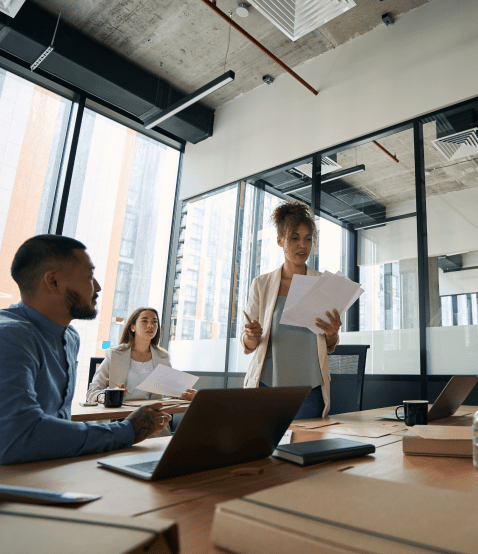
point(415, 412)
point(112, 398)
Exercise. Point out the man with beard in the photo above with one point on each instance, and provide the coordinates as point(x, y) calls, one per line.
point(38, 352)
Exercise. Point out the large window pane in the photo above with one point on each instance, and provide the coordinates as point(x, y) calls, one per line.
point(202, 283)
point(120, 206)
point(451, 179)
point(33, 129)
point(377, 204)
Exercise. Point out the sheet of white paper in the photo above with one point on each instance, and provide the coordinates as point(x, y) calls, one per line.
point(168, 381)
point(299, 286)
point(328, 292)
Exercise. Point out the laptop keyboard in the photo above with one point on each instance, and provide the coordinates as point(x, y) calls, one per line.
point(147, 467)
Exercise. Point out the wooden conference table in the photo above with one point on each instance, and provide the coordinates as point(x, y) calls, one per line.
point(190, 500)
point(99, 412)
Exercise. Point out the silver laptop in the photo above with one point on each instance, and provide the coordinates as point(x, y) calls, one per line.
point(450, 399)
point(221, 427)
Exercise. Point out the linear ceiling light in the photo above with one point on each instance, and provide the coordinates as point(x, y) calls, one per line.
point(157, 115)
point(11, 7)
point(330, 177)
point(296, 18)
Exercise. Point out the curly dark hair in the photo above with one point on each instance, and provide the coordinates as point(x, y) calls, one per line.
point(289, 215)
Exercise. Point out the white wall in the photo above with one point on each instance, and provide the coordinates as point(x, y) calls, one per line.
point(424, 62)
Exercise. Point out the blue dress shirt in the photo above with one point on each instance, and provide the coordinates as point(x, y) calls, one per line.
point(37, 382)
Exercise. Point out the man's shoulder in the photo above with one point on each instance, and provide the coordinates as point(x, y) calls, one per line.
point(14, 317)
point(16, 328)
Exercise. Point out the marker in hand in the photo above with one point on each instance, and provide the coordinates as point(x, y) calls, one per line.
point(247, 317)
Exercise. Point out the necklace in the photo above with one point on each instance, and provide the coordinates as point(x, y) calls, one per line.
point(142, 357)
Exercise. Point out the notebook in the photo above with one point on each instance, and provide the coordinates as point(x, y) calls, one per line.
point(450, 399)
point(220, 428)
point(28, 495)
point(314, 452)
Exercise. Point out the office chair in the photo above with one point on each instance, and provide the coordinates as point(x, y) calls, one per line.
point(94, 363)
point(347, 368)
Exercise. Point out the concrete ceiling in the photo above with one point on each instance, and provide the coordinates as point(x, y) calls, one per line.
point(185, 42)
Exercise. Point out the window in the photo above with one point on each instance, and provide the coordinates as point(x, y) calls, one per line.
point(120, 205)
point(34, 127)
point(451, 183)
point(188, 329)
point(206, 228)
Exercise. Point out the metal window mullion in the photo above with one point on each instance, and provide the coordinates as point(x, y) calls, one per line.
point(70, 166)
point(353, 273)
point(171, 270)
point(422, 252)
point(241, 190)
point(315, 198)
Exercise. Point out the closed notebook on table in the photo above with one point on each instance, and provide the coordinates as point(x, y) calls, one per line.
point(314, 452)
point(339, 513)
point(46, 530)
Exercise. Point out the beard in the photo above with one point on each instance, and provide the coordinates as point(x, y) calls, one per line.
point(77, 307)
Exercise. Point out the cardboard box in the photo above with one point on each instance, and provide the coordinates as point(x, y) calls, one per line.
point(438, 440)
point(45, 530)
point(337, 513)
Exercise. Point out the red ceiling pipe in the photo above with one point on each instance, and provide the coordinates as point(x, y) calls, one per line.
point(212, 5)
point(394, 158)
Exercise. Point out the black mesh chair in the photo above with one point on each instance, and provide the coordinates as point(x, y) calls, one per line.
point(347, 368)
point(94, 363)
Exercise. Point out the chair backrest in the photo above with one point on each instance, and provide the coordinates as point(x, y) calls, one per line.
point(347, 368)
point(94, 363)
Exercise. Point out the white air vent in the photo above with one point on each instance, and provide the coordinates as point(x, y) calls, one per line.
point(296, 18)
point(459, 145)
point(327, 164)
point(11, 7)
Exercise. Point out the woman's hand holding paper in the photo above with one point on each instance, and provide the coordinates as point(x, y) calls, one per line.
point(330, 329)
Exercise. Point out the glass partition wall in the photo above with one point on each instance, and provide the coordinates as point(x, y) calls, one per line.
point(376, 200)
point(395, 212)
point(451, 179)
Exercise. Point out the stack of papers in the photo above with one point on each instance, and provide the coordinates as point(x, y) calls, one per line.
point(311, 296)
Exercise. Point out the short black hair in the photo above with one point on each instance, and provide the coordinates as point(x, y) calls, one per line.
point(37, 255)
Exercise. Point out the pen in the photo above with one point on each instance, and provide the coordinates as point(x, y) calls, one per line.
point(116, 385)
point(247, 317)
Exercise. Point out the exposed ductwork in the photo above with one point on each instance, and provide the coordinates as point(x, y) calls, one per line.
point(91, 67)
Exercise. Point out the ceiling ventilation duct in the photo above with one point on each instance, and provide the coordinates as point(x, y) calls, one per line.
point(11, 7)
point(458, 145)
point(327, 165)
point(296, 18)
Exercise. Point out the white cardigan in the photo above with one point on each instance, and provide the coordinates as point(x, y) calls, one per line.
point(260, 307)
point(116, 365)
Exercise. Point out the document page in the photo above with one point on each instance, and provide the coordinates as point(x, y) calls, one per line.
point(329, 292)
point(168, 381)
point(300, 285)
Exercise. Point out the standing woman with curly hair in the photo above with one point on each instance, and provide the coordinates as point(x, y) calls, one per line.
point(285, 355)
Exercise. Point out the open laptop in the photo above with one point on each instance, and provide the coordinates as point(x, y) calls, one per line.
point(450, 399)
point(220, 428)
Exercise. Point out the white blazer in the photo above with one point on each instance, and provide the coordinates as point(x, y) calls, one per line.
point(116, 365)
point(260, 306)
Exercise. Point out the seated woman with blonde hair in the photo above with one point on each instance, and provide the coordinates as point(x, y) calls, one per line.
point(134, 358)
